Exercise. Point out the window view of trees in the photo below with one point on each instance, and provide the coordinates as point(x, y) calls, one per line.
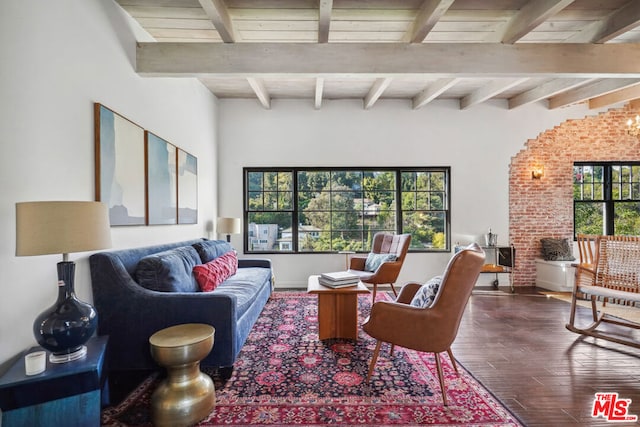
point(329, 210)
point(606, 198)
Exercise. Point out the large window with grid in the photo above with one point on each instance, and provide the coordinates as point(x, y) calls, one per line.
point(320, 210)
point(606, 198)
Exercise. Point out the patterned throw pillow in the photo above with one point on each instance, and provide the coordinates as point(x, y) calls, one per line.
point(427, 293)
point(556, 250)
point(216, 271)
point(375, 260)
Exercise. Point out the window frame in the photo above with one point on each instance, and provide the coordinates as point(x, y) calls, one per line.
point(608, 200)
point(295, 211)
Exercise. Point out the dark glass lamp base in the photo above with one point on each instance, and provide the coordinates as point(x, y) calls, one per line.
point(68, 357)
point(67, 325)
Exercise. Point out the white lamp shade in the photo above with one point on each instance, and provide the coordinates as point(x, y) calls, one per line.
point(61, 227)
point(228, 226)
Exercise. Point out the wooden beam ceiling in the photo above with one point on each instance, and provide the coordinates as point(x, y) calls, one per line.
point(217, 12)
point(324, 20)
point(388, 59)
point(428, 16)
point(519, 51)
point(530, 16)
point(620, 21)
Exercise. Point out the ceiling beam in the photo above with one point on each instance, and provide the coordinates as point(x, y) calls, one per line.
point(619, 22)
point(318, 95)
point(261, 91)
point(324, 20)
point(545, 90)
point(489, 91)
point(440, 60)
point(584, 93)
point(433, 91)
point(217, 12)
point(623, 95)
point(530, 16)
point(428, 16)
point(376, 91)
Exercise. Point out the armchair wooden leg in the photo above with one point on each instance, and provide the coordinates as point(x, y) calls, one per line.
point(391, 351)
point(394, 290)
point(373, 298)
point(453, 361)
point(374, 359)
point(441, 378)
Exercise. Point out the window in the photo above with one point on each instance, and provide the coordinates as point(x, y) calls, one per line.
point(329, 210)
point(606, 198)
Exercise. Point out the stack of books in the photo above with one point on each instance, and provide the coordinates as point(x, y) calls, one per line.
point(338, 279)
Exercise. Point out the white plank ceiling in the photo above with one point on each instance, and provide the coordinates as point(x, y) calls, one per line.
point(559, 52)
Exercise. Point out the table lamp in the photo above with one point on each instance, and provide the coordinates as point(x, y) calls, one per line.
point(228, 226)
point(60, 228)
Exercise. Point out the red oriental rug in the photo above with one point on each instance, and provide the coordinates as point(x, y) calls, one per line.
point(285, 376)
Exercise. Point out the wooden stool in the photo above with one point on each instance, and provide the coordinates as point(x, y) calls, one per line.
point(187, 395)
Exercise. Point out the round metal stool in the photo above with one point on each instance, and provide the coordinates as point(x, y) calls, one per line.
point(187, 395)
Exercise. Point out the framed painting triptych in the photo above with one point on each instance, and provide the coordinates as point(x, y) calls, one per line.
point(144, 179)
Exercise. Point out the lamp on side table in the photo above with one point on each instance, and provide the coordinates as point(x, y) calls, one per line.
point(228, 226)
point(60, 228)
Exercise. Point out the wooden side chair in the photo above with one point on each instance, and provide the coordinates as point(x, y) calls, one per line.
point(432, 329)
point(387, 272)
point(586, 249)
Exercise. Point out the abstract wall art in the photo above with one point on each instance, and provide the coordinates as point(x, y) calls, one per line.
point(162, 186)
point(119, 163)
point(187, 188)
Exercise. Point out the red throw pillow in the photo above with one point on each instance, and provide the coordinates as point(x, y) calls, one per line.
point(216, 271)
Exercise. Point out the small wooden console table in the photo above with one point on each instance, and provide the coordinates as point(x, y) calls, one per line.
point(337, 309)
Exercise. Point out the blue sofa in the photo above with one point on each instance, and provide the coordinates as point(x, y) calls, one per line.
point(130, 313)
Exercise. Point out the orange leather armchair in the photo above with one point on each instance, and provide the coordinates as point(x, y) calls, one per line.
point(431, 329)
point(383, 243)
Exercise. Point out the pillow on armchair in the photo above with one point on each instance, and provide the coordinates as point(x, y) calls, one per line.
point(376, 260)
point(425, 296)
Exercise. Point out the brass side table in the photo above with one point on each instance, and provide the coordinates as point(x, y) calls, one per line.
point(187, 395)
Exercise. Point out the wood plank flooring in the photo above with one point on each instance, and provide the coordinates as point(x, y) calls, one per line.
point(518, 347)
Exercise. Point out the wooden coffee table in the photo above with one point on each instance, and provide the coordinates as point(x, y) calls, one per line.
point(337, 309)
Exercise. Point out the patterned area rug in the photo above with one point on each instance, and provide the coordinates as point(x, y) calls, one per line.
point(285, 376)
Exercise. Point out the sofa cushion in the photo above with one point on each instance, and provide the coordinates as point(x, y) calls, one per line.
point(425, 296)
point(169, 271)
point(216, 271)
point(375, 260)
point(211, 249)
point(244, 287)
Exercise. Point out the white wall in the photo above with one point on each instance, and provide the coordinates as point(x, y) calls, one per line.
point(58, 58)
point(477, 143)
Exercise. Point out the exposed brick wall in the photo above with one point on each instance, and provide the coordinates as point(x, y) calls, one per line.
point(544, 208)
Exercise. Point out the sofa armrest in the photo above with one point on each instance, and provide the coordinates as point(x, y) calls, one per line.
point(254, 262)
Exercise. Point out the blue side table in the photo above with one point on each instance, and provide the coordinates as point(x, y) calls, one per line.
point(65, 394)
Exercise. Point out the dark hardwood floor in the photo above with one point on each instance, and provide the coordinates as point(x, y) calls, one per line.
point(518, 347)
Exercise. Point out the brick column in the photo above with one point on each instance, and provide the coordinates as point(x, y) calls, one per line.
point(544, 208)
